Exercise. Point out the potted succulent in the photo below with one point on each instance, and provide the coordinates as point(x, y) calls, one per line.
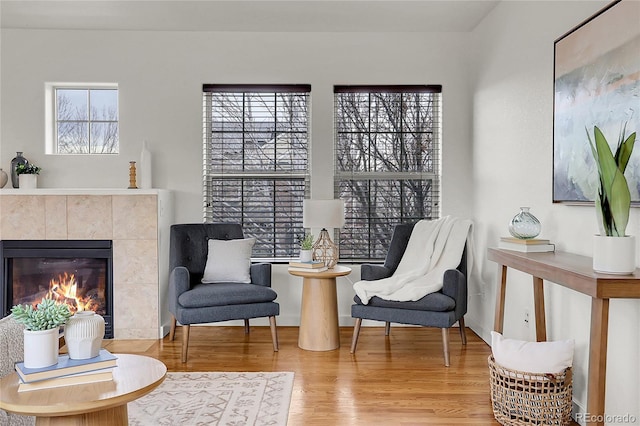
point(306, 247)
point(614, 251)
point(27, 175)
point(42, 326)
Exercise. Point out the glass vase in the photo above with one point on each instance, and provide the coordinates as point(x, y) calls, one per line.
point(524, 225)
point(18, 159)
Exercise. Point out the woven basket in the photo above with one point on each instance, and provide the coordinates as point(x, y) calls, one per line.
point(520, 398)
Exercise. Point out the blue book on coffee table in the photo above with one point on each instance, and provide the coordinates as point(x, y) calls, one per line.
point(66, 366)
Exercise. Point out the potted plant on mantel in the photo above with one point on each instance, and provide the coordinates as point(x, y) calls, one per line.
point(41, 334)
point(27, 175)
point(614, 252)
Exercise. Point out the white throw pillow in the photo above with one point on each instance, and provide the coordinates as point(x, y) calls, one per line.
point(229, 261)
point(532, 357)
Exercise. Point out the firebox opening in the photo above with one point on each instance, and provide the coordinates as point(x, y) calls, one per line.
point(78, 282)
point(76, 272)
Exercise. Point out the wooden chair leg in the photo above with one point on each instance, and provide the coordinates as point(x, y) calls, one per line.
point(445, 345)
point(274, 333)
point(463, 331)
point(356, 333)
point(185, 341)
point(246, 326)
point(387, 328)
point(172, 330)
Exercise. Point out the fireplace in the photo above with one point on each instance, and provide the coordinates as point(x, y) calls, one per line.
point(76, 272)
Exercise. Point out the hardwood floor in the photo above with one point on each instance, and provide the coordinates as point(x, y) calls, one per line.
point(394, 380)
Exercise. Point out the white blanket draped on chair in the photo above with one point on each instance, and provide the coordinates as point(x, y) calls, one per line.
point(434, 246)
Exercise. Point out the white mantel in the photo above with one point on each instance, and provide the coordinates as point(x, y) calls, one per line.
point(136, 220)
point(78, 191)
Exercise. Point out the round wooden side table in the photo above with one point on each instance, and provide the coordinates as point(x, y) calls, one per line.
point(102, 403)
point(319, 312)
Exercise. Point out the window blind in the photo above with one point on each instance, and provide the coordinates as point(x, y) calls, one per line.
point(255, 167)
point(387, 162)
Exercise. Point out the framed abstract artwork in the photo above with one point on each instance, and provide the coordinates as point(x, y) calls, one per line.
point(596, 83)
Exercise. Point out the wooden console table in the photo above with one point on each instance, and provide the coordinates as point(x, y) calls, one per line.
point(574, 272)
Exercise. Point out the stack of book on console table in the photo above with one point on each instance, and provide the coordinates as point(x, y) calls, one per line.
point(313, 266)
point(67, 372)
point(532, 245)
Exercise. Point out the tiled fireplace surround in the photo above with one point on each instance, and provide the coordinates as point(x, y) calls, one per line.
point(131, 218)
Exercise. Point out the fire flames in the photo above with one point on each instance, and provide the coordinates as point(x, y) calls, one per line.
point(64, 289)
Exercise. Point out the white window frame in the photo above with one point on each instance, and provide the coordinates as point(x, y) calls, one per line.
point(51, 130)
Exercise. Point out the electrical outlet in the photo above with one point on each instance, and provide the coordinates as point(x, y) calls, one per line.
point(527, 317)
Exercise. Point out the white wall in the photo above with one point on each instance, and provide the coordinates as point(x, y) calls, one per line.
point(160, 76)
point(512, 164)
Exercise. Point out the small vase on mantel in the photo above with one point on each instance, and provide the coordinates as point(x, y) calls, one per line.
point(4, 178)
point(614, 255)
point(145, 167)
point(18, 159)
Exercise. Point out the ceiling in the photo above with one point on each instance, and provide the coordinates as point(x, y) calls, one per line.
point(248, 15)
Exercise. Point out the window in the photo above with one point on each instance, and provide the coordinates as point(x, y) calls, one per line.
point(85, 119)
point(256, 162)
point(387, 160)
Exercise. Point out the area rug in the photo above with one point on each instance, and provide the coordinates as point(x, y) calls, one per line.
point(224, 399)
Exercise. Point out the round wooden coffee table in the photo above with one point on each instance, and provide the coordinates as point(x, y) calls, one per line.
point(319, 313)
point(103, 403)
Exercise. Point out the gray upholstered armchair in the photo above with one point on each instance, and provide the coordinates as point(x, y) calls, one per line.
point(441, 309)
point(193, 302)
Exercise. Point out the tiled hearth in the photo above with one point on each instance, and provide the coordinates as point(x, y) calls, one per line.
point(136, 220)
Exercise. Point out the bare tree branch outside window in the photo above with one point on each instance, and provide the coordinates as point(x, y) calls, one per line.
point(387, 157)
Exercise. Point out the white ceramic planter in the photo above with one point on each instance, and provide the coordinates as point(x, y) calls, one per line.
point(41, 348)
point(27, 181)
point(83, 335)
point(306, 255)
point(614, 255)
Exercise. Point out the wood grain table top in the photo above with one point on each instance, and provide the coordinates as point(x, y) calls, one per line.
point(336, 271)
point(133, 377)
point(570, 270)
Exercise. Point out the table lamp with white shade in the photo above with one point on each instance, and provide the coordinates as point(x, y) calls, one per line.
point(324, 214)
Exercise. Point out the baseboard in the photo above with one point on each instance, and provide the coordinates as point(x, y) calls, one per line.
point(577, 411)
point(482, 332)
point(164, 330)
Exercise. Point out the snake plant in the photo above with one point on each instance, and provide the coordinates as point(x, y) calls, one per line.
point(614, 199)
